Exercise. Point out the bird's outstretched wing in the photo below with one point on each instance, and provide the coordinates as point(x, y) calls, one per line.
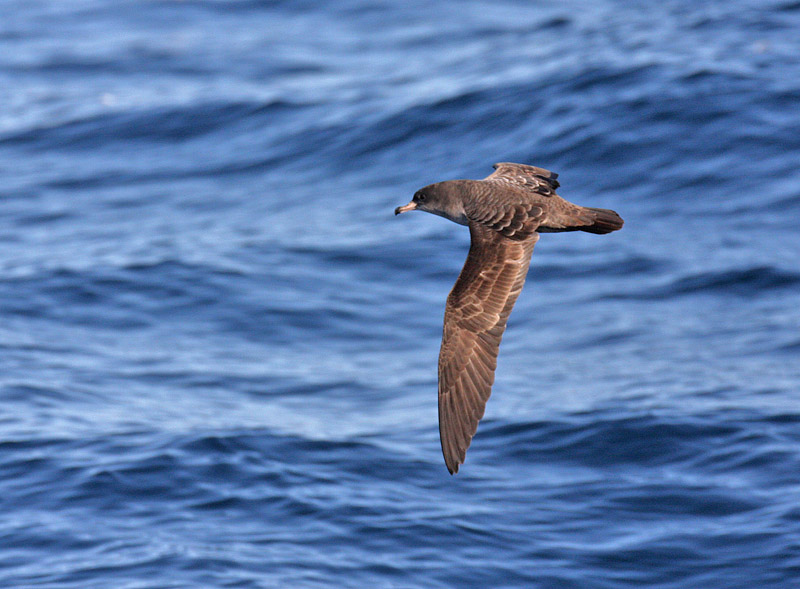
point(538, 180)
point(540, 208)
point(474, 321)
point(514, 200)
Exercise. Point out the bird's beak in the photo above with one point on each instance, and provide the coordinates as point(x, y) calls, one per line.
point(405, 208)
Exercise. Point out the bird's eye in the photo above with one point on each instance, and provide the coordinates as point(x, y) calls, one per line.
point(420, 197)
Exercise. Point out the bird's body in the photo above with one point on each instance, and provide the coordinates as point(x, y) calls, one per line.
point(505, 213)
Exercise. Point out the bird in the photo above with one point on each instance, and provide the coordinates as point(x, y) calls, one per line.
point(505, 213)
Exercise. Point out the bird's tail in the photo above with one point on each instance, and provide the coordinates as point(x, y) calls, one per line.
point(603, 221)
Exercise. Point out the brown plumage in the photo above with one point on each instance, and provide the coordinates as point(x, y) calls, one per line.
point(505, 212)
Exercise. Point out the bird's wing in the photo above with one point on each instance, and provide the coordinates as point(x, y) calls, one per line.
point(513, 200)
point(531, 178)
point(540, 209)
point(517, 221)
point(474, 321)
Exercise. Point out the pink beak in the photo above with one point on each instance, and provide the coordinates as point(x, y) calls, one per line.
point(405, 208)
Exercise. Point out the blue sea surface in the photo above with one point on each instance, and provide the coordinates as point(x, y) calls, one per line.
point(218, 345)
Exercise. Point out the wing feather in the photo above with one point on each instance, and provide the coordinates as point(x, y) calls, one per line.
point(539, 180)
point(474, 321)
point(511, 201)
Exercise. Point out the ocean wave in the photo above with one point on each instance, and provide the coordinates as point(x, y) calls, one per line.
point(634, 264)
point(156, 125)
point(128, 297)
point(218, 348)
point(741, 282)
point(699, 443)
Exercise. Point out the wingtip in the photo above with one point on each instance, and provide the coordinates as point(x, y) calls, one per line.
point(452, 467)
point(451, 462)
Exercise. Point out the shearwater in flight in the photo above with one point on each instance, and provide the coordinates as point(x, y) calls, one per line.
point(505, 213)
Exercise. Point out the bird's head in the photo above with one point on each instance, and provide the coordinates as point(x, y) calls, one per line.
point(445, 199)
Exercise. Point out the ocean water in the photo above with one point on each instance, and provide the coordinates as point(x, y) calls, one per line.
point(218, 345)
